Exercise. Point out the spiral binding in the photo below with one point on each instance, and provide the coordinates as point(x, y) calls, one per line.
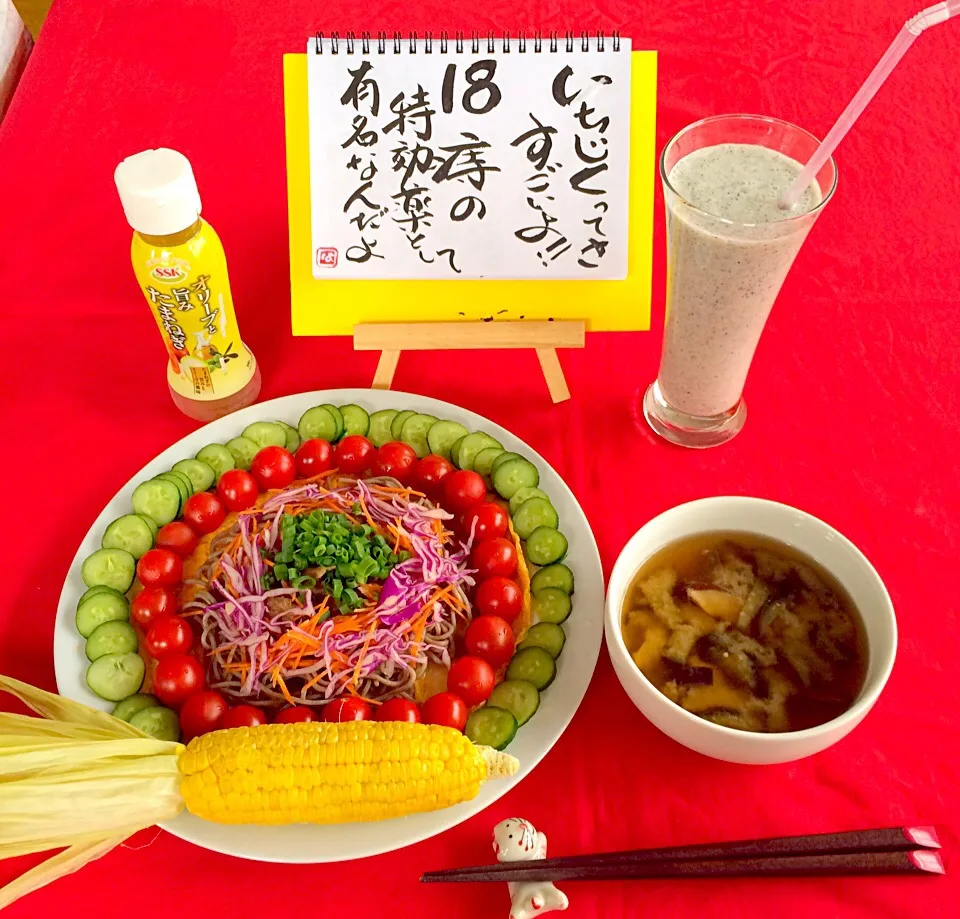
point(395, 43)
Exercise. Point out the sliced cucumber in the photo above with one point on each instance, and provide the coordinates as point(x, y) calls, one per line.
point(185, 480)
point(265, 434)
point(243, 450)
point(414, 432)
point(129, 532)
point(111, 638)
point(483, 461)
point(491, 727)
point(510, 477)
point(525, 494)
point(201, 475)
point(504, 457)
point(218, 458)
point(94, 591)
point(159, 722)
point(380, 422)
point(150, 522)
point(559, 576)
point(158, 500)
point(455, 448)
point(183, 486)
point(546, 635)
point(337, 416)
point(443, 435)
point(471, 445)
point(537, 512)
point(101, 608)
point(545, 546)
point(127, 708)
point(317, 422)
point(355, 420)
point(396, 426)
point(551, 604)
point(292, 442)
point(518, 697)
point(111, 567)
point(115, 676)
point(533, 665)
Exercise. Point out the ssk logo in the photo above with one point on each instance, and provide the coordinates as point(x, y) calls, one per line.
point(168, 274)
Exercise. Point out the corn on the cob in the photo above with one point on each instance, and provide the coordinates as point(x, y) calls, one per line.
point(86, 780)
point(332, 773)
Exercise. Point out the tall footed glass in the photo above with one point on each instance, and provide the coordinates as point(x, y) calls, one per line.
point(729, 248)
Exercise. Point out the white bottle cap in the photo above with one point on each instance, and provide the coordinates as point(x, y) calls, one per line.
point(158, 192)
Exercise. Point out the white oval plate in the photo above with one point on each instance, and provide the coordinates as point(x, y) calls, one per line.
point(312, 844)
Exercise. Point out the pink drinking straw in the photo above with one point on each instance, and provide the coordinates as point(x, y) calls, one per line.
point(931, 16)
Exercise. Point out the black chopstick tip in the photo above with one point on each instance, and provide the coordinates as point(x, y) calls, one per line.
point(927, 861)
point(925, 836)
point(437, 877)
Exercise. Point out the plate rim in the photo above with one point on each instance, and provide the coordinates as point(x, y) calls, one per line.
point(192, 829)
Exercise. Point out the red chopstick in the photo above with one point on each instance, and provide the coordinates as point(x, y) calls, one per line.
point(895, 850)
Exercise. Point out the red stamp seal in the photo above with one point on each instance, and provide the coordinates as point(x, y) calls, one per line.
point(326, 258)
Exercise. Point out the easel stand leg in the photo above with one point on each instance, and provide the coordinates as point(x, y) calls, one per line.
point(553, 374)
point(386, 368)
point(544, 337)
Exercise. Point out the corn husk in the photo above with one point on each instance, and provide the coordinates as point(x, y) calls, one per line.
point(76, 778)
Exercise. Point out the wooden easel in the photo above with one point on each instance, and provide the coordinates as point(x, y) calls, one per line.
point(545, 337)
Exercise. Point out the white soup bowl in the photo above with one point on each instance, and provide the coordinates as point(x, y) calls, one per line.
point(808, 535)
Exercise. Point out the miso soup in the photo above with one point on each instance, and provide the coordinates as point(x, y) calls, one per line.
point(746, 632)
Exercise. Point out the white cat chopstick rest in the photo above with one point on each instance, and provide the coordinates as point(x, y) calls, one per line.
point(516, 840)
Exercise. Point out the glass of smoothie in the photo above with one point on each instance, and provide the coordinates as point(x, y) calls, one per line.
point(729, 248)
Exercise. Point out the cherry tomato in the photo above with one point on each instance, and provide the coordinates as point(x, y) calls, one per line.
point(463, 489)
point(347, 709)
point(491, 638)
point(447, 709)
point(294, 714)
point(176, 678)
point(152, 604)
point(201, 713)
point(273, 467)
point(394, 459)
point(160, 568)
point(243, 716)
point(204, 512)
point(237, 489)
point(471, 678)
point(430, 473)
point(313, 457)
point(354, 454)
point(177, 537)
point(488, 521)
point(499, 596)
point(494, 557)
point(399, 710)
point(172, 635)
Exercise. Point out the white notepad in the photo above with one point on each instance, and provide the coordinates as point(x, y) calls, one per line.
point(476, 158)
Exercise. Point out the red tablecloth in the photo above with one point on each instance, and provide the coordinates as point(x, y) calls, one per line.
point(853, 416)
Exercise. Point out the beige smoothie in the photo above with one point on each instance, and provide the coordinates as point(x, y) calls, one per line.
point(729, 249)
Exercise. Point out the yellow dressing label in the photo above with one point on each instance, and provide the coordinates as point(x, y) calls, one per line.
point(188, 290)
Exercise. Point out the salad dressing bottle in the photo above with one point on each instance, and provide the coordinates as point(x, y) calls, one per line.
point(182, 270)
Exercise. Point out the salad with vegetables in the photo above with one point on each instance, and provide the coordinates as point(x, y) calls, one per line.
point(390, 566)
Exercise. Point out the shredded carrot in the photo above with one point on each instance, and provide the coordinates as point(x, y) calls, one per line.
point(363, 650)
point(366, 513)
point(392, 490)
point(285, 691)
